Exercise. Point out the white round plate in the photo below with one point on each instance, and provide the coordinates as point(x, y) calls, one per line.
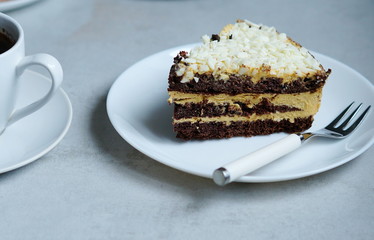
point(14, 4)
point(138, 109)
point(33, 136)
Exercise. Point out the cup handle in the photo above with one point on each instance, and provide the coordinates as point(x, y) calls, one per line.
point(55, 70)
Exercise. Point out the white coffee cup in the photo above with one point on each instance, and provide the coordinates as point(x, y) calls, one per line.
point(13, 62)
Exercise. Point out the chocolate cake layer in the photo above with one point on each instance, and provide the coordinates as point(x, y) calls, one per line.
point(205, 109)
point(243, 84)
point(210, 130)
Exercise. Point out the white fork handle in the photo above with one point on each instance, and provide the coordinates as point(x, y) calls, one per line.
point(237, 168)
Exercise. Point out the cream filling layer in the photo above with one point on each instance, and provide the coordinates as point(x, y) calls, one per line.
point(290, 116)
point(307, 101)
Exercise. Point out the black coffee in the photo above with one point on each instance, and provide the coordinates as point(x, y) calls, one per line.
point(5, 42)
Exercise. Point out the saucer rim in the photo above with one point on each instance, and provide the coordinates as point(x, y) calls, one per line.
point(15, 4)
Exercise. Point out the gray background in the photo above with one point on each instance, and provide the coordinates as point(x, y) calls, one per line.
point(94, 185)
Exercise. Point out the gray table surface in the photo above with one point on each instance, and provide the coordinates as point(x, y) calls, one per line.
point(94, 185)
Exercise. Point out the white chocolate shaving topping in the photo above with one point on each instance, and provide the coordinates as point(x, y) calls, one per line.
point(245, 48)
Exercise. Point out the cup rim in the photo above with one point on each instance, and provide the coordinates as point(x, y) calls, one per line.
point(20, 34)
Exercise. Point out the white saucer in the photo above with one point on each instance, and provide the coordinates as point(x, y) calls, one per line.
point(35, 135)
point(137, 107)
point(14, 4)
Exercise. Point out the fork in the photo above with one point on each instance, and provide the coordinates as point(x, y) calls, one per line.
point(239, 167)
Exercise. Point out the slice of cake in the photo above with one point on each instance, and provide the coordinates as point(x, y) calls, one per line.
point(247, 80)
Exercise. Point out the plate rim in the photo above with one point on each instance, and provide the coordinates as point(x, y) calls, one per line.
point(53, 144)
point(248, 179)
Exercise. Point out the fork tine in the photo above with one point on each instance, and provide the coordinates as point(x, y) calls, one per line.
point(358, 121)
point(337, 119)
point(353, 114)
